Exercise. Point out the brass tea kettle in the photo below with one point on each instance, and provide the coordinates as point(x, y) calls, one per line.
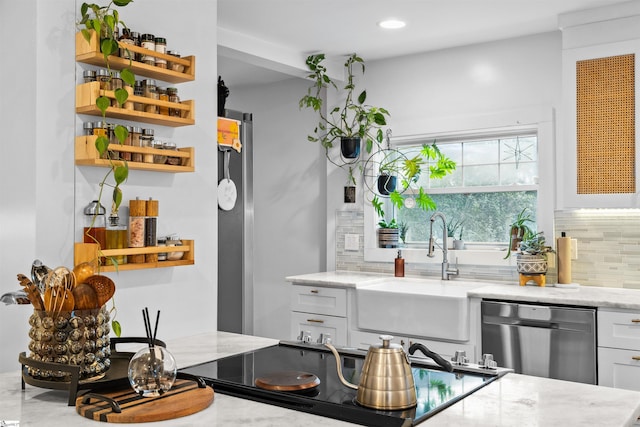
point(386, 381)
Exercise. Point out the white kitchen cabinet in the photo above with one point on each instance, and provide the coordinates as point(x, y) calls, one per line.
point(319, 309)
point(619, 348)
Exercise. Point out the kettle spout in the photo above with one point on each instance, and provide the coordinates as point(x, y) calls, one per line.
point(339, 367)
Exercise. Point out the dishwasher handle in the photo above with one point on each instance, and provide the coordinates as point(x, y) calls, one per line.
point(494, 320)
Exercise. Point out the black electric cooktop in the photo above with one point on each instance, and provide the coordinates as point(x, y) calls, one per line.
point(236, 375)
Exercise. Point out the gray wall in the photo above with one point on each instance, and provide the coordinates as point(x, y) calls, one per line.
point(289, 198)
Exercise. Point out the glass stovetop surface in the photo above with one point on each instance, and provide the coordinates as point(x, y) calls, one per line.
point(236, 375)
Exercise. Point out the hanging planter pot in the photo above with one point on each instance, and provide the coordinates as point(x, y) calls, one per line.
point(350, 147)
point(388, 237)
point(386, 184)
point(349, 194)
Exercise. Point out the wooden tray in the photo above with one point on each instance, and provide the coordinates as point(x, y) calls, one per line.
point(186, 397)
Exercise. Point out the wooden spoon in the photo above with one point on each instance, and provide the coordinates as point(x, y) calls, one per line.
point(33, 293)
point(85, 297)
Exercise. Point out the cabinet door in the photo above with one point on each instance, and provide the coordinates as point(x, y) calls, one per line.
point(588, 191)
point(619, 329)
point(318, 324)
point(320, 300)
point(619, 368)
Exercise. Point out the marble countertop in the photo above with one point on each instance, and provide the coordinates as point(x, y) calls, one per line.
point(512, 400)
point(590, 296)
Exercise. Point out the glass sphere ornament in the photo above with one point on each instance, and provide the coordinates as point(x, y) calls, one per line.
point(152, 371)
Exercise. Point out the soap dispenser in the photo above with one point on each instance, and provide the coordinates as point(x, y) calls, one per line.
point(399, 271)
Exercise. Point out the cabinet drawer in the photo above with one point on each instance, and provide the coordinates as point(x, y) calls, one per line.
point(618, 368)
point(316, 299)
point(619, 329)
point(318, 324)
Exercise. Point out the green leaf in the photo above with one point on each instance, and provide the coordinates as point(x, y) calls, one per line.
point(83, 9)
point(103, 103)
point(396, 199)
point(121, 96)
point(362, 97)
point(102, 143)
point(128, 77)
point(108, 47)
point(110, 21)
point(117, 329)
point(86, 34)
point(425, 202)
point(116, 198)
point(121, 133)
point(120, 175)
point(377, 205)
point(95, 24)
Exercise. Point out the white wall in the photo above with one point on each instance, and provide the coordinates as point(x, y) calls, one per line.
point(289, 198)
point(44, 192)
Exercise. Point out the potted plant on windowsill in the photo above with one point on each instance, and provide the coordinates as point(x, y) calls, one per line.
point(532, 255)
point(351, 123)
point(518, 229)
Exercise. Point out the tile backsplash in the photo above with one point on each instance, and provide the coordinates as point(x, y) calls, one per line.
point(608, 249)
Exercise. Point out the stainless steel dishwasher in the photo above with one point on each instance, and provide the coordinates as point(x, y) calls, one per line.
point(541, 340)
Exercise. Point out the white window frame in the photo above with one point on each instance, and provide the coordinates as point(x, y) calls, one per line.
point(535, 120)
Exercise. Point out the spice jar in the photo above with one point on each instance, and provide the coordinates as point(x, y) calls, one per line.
point(127, 39)
point(136, 141)
point(174, 66)
point(161, 47)
point(138, 91)
point(147, 41)
point(87, 127)
point(100, 129)
point(113, 139)
point(171, 147)
point(150, 91)
point(172, 94)
point(126, 155)
point(174, 240)
point(116, 83)
point(159, 158)
point(89, 76)
point(162, 95)
point(104, 78)
point(146, 140)
point(162, 241)
point(137, 211)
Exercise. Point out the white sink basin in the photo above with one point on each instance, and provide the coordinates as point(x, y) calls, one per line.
point(416, 307)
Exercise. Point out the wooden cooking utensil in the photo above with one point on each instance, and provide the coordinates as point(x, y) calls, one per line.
point(57, 299)
point(85, 297)
point(103, 286)
point(33, 293)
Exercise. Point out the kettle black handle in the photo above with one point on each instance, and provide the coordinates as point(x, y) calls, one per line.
point(436, 357)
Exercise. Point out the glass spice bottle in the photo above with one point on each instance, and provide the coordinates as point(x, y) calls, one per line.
point(160, 159)
point(162, 95)
point(87, 127)
point(174, 66)
point(116, 238)
point(136, 141)
point(127, 39)
point(161, 47)
point(104, 78)
point(171, 147)
point(172, 93)
point(147, 41)
point(94, 224)
point(150, 91)
point(136, 41)
point(113, 139)
point(146, 139)
point(126, 155)
point(138, 91)
point(89, 76)
point(116, 83)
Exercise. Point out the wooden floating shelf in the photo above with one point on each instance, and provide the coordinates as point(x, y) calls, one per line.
point(86, 154)
point(87, 252)
point(89, 53)
point(88, 93)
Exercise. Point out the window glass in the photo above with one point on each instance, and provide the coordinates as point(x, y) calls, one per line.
point(482, 195)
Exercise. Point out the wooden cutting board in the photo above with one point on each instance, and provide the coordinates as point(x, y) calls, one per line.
point(184, 398)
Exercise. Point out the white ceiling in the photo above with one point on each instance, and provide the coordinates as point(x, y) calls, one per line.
point(340, 27)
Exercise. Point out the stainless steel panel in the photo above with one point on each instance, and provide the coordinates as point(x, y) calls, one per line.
point(546, 341)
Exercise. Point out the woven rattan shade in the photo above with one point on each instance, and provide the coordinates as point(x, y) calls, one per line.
point(606, 125)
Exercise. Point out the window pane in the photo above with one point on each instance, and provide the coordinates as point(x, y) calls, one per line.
point(485, 216)
point(480, 153)
point(524, 174)
point(518, 150)
point(484, 175)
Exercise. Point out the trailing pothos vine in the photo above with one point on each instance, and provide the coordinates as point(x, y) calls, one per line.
point(105, 22)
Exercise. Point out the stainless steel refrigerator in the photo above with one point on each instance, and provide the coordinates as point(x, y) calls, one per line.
point(235, 235)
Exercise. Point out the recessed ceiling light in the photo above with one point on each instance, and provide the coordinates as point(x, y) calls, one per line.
point(392, 24)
